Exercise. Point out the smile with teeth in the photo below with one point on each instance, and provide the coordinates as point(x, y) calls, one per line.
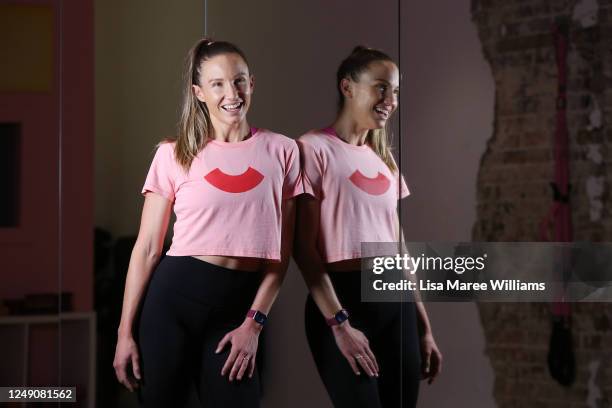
point(382, 112)
point(232, 107)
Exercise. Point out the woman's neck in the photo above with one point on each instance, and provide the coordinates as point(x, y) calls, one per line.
point(230, 133)
point(347, 129)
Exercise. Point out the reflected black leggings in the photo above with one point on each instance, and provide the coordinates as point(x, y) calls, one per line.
point(188, 308)
point(391, 329)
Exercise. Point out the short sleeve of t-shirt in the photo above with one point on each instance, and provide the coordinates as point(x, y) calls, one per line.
point(403, 188)
point(161, 176)
point(312, 169)
point(292, 184)
point(404, 192)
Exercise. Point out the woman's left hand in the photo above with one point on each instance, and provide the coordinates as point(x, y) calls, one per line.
point(431, 358)
point(244, 340)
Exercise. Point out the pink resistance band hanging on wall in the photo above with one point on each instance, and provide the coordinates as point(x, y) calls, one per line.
point(561, 361)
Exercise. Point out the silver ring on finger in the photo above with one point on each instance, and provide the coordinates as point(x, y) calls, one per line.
point(358, 356)
point(245, 358)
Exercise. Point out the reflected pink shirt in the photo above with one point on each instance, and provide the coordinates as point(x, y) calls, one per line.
point(229, 203)
point(357, 191)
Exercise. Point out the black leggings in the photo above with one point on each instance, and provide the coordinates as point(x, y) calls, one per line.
point(391, 329)
point(188, 308)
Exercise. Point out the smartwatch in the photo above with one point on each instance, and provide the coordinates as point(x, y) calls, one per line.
point(340, 316)
point(257, 316)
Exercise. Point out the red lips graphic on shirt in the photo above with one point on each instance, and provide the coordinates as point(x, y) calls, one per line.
point(235, 183)
point(372, 185)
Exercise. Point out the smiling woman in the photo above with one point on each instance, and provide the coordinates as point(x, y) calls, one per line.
point(225, 86)
point(218, 86)
point(350, 172)
point(231, 187)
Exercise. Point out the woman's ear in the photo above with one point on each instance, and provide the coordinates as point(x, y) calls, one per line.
point(197, 91)
point(346, 87)
point(252, 81)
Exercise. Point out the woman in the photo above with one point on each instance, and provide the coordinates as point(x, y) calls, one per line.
point(231, 188)
point(354, 182)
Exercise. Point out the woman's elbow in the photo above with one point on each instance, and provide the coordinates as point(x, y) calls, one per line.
point(149, 252)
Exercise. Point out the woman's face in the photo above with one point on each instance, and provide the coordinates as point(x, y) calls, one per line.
point(373, 98)
point(226, 87)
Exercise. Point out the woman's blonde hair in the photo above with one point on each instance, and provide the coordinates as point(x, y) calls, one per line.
point(352, 67)
point(194, 127)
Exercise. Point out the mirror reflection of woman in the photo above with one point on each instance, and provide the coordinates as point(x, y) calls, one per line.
point(367, 354)
point(231, 187)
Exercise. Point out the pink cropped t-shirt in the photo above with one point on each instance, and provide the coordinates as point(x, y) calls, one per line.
point(358, 194)
point(229, 202)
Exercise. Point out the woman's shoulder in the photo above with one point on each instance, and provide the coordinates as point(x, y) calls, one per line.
point(165, 150)
point(275, 137)
point(271, 134)
point(314, 135)
point(166, 145)
point(315, 138)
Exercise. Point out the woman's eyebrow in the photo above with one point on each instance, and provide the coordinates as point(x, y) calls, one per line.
point(235, 76)
point(385, 81)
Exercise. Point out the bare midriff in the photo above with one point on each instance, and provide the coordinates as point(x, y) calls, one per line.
point(232, 262)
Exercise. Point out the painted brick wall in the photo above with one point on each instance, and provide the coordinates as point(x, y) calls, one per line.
point(513, 185)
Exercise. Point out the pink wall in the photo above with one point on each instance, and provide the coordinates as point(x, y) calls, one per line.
point(50, 122)
point(77, 148)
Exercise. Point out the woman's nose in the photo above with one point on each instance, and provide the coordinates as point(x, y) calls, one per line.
point(232, 91)
point(390, 98)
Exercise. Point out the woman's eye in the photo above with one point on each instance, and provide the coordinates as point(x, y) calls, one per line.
point(216, 84)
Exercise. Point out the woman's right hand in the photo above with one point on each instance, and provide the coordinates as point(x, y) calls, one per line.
point(354, 346)
point(126, 353)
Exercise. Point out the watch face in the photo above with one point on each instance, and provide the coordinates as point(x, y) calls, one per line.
point(341, 316)
point(259, 318)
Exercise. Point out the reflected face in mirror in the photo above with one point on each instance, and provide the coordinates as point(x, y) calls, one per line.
point(225, 87)
point(374, 97)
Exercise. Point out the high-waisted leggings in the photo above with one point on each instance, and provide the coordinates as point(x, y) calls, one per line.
point(188, 307)
point(391, 329)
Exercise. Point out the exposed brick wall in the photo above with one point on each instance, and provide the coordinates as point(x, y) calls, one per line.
point(514, 193)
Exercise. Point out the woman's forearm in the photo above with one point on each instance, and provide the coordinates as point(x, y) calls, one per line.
point(423, 319)
point(269, 287)
point(318, 282)
point(139, 273)
point(274, 273)
point(309, 259)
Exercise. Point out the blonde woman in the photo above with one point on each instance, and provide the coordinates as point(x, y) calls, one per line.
point(368, 354)
point(231, 187)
